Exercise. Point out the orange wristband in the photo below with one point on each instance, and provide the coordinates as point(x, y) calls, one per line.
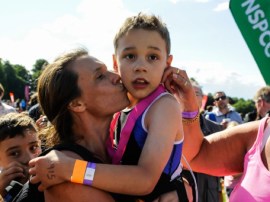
point(78, 171)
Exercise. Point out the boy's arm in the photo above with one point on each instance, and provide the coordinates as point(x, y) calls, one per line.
point(164, 123)
point(75, 192)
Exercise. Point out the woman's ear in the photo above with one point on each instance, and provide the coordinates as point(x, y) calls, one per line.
point(76, 105)
point(169, 60)
point(115, 66)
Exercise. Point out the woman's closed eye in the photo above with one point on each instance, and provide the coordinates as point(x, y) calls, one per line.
point(100, 76)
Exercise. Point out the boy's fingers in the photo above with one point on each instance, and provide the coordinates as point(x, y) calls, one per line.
point(12, 170)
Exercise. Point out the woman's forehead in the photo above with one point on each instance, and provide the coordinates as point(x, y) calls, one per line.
point(88, 62)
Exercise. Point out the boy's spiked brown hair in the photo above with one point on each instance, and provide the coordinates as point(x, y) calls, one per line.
point(146, 22)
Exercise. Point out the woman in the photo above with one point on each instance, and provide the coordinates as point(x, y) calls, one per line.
point(79, 96)
point(73, 93)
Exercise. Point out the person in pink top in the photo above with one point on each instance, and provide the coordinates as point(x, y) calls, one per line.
point(256, 176)
point(243, 148)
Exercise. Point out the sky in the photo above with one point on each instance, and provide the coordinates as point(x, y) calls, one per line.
point(205, 39)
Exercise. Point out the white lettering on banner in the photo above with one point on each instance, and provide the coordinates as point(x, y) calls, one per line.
point(256, 17)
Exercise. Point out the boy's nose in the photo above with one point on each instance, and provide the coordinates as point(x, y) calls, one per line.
point(140, 66)
point(26, 158)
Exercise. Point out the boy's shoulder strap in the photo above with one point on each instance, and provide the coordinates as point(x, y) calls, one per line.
point(129, 125)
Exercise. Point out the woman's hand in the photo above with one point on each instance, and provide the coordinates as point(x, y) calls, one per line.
point(51, 169)
point(177, 82)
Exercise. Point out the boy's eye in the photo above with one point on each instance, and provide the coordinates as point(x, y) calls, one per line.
point(129, 56)
point(153, 57)
point(34, 148)
point(14, 153)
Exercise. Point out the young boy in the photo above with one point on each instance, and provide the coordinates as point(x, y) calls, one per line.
point(142, 52)
point(19, 144)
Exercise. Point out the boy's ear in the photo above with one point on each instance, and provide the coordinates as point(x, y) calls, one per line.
point(169, 60)
point(76, 105)
point(115, 66)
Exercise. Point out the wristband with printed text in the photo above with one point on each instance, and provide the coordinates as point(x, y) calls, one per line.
point(89, 174)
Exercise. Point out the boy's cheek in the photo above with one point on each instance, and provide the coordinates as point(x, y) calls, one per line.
point(38, 152)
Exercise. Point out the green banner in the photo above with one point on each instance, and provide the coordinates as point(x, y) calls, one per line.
point(253, 19)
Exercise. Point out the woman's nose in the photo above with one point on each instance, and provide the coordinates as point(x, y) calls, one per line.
point(115, 77)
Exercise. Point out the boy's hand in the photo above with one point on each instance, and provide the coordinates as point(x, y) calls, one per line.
point(42, 122)
point(51, 169)
point(177, 82)
point(13, 171)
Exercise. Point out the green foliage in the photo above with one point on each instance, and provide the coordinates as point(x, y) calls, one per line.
point(22, 73)
point(244, 106)
point(2, 74)
point(14, 78)
point(38, 67)
point(12, 82)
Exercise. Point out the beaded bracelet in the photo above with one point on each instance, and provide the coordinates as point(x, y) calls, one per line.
point(78, 171)
point(189, 115)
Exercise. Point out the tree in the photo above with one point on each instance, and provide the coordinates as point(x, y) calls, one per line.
point(38, 67)
point(244, 106)
point(2, 74)
point(13, 83)
point(22, 72)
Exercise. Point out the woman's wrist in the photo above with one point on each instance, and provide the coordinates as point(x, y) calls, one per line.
point(190, 117)
point(189, 114)
point(78, 172)
point(83, 172)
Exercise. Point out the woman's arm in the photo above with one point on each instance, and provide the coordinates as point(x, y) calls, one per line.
point(221, 153)
point(137, 180)
point(73, 192)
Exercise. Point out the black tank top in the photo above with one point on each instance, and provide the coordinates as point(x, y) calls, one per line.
point(30, 193)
